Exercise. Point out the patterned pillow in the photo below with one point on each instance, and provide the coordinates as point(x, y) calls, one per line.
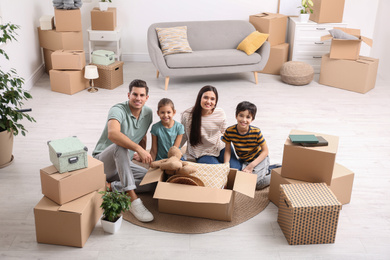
point(173, 40)
point(212, 175)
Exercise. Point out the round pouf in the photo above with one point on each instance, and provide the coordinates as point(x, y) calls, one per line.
point(296, 73)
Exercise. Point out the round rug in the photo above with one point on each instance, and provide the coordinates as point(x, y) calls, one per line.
point(244, 208)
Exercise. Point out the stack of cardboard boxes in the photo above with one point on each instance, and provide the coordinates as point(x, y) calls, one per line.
point(308, 165)
point(67, 76)
point(275, 25)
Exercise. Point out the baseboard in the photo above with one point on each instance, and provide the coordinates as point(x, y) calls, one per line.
point(37, 74)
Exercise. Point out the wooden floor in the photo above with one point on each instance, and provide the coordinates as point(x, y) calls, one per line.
point(361, 121)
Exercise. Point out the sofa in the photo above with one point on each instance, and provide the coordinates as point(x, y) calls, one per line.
point(214, 50)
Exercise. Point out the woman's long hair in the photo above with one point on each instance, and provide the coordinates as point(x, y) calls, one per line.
point(196, 115)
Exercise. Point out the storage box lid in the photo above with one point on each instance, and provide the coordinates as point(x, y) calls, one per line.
point(103, 53)
point(354, 32)
point(310, 197)
point(67, 146)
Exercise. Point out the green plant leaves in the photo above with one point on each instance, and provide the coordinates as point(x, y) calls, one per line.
point(114, 203)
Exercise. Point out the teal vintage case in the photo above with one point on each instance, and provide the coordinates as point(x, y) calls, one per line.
point(103, 57)
point(68, 154)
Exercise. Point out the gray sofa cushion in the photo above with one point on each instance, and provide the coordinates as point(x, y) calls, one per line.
point(211, 58)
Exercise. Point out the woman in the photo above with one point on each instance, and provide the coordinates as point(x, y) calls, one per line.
point(204, 126)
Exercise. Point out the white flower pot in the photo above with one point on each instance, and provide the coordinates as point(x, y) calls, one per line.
point(304, 18)
point(111, 227)
point(103, 6)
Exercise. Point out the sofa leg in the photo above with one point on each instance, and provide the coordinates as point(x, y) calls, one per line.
point(158, 74)
point(256, 79)
point(166, 82)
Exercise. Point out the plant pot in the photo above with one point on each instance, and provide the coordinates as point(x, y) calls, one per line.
point(304, 18)
point(103, 6)
point(111, 227)
point(6, 144)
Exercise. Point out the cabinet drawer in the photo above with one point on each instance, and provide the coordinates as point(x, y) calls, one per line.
point(313, 46)
point(314, 32)
point(103, 36)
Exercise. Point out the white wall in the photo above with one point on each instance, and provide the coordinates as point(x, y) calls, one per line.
point(135, 16)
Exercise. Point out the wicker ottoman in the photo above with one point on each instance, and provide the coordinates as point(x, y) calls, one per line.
point(296, 73)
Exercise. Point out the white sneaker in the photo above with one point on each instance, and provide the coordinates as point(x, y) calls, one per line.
point(139, 211)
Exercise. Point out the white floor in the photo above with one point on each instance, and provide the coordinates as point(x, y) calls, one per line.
point(362, 121)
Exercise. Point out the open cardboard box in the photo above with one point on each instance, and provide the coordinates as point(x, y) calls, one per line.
point(203, 202)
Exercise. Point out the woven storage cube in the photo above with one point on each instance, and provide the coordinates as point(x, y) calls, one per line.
point(110, 76)
point(297, 73)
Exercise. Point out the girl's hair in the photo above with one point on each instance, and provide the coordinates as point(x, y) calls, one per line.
point(165, 102)
point(196, 114)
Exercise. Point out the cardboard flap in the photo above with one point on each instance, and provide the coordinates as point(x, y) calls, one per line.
point(77, 205)
point(355, 32)
point(47, 204)
point(245, 183)
point(194, 194)
point(366, 60)
point(261, 15)
point(266, 15)
point(366, 40)
point(326, 37)
point(153, 175)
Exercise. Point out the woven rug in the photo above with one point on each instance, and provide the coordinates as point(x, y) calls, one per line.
point(244, 208)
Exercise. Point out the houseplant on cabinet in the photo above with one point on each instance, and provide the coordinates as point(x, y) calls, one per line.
point(12, 95)
point(103, 5)
point(113, 204)
point(306, 10)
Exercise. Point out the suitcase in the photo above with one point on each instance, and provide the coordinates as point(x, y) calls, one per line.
point(68, 154)
point(103, 57)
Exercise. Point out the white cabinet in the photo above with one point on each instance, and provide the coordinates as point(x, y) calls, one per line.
point(305, 41)
point(105, 36)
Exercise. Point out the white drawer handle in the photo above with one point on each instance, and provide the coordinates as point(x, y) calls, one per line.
point(320, 28)
point(319, 43)
point(317, 57)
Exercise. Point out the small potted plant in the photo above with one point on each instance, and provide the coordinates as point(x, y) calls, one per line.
point(113, 204)
point(306, 10)
point(103, 5)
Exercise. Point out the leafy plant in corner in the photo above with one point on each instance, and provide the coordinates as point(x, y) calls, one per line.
point(113, 204)
point(306, 6)
point(12, 93)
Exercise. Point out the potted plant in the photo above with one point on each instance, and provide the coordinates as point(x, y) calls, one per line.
point(113, 204)
point(103, 5)
point(12, 95)
point(306, 10)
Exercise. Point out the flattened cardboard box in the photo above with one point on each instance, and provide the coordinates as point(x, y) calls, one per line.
point(308, 213)
point(70, 224)
point(67, 81)
point(327, 11)
point(68, 20)
point(277, 57)
point(359, 76)
point(68, 59)
point(273, 24)
point(104, 21)
point(203, 202)
point(54, 40)
point(311, 164)
point(110, 76)
point(342, 182)
point(64, 187)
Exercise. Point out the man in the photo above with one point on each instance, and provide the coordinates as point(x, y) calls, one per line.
point(124, 134)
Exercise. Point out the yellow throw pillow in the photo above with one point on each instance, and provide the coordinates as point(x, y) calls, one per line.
point(173, 40)
point(212, 175)
point(252, 42)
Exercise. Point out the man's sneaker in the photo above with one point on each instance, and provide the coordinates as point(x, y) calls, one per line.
point(139, 211)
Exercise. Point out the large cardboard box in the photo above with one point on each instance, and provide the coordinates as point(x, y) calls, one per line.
point(68, 81)
point(346, 49)
point(105, 21)
point(110, 76)
point(54, 40)
point(311, 164)
point(64, 187)
point(277, 57)
point(68, 60)
point(203, 202)
point(341, 185)
point(327, 11)
point(273, 24)
point(354, 75)
point(308, 213)
point(68, 20)
point(70, 224)
point(47, 59)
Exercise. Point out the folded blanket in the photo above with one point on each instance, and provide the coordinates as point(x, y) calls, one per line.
point(339, 34)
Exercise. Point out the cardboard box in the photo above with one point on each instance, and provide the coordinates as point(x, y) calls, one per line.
point(68, 81)
point(273, 24)
point(64, 187)
point(110, 76)
point(70, 224)
point(47, 59)
point(54, 40)
point(308, 213)
point(327, 11)
point(341, 185)
point(68, 60)
point(277, 57)
point(346, 49)
point(68, 20)
point(203, 202)
point(311, 164)
point(354, 75)
point(103, 20)
point(46, 22)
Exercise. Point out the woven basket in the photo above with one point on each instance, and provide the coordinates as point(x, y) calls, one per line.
point(110, 76)
point(296, 73)
point(185, 179)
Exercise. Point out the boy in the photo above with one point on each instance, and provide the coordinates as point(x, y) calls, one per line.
point(249, 144)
